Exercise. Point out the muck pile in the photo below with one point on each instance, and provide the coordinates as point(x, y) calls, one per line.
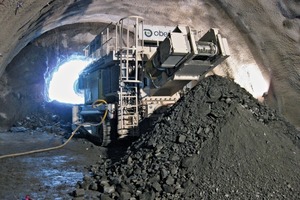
point(217, 142)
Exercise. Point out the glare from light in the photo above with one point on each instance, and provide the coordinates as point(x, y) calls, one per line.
point(250, 77)
point(61, 82)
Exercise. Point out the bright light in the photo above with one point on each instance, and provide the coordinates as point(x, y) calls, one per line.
point(60, 83)
point(250, 77)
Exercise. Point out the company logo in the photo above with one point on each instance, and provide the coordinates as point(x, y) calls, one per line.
point(148, 32)
point(158, 33)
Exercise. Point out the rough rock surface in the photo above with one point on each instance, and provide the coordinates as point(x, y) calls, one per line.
point(52, 118)
point(217, 142)
point(262, 34)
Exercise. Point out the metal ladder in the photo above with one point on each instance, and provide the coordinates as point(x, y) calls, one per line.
point(128, 108)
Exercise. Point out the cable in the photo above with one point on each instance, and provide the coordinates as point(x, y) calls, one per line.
point(94, 105)
point(41, 150)
point(99, 101)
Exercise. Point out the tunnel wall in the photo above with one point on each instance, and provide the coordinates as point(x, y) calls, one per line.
point(22, 86)
point(265, 34)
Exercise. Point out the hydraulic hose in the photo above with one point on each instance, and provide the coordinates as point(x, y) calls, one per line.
point(41, 150)
point(95, 104)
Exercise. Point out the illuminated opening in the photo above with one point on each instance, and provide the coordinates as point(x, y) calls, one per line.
point(250, 77)
point(62, 81)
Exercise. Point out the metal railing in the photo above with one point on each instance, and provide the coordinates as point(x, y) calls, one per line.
point(129, 47)
point(103, 43)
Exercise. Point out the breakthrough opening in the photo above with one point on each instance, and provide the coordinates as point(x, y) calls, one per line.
point(61, 82)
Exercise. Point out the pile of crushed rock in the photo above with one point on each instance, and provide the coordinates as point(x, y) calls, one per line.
point(217, 142)
point(46, 120)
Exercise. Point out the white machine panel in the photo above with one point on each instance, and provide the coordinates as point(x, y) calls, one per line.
point(154, 33)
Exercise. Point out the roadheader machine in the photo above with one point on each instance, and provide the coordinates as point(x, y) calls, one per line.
point(138, 70)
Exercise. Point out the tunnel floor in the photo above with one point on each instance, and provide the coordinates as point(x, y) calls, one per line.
point(48, 175)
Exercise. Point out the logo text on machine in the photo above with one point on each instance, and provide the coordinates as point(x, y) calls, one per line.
point(154, 33)
point(149, 33)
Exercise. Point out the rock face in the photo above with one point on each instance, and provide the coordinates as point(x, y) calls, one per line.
point(217, 142)
point(263, 33)
point(23, 85)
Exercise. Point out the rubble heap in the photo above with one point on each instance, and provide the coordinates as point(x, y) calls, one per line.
point(217, 142)
point(45, 120)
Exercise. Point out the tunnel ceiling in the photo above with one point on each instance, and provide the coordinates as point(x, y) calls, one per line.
point(265, 34)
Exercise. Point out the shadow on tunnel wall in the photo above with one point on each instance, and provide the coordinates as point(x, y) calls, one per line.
point(78, 7)
point(34, 27)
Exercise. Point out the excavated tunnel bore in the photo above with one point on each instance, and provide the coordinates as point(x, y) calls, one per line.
point(24, 85)
point(25, 81)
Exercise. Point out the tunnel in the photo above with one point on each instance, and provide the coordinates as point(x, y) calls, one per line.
point(37, 37)
point(41, 40)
